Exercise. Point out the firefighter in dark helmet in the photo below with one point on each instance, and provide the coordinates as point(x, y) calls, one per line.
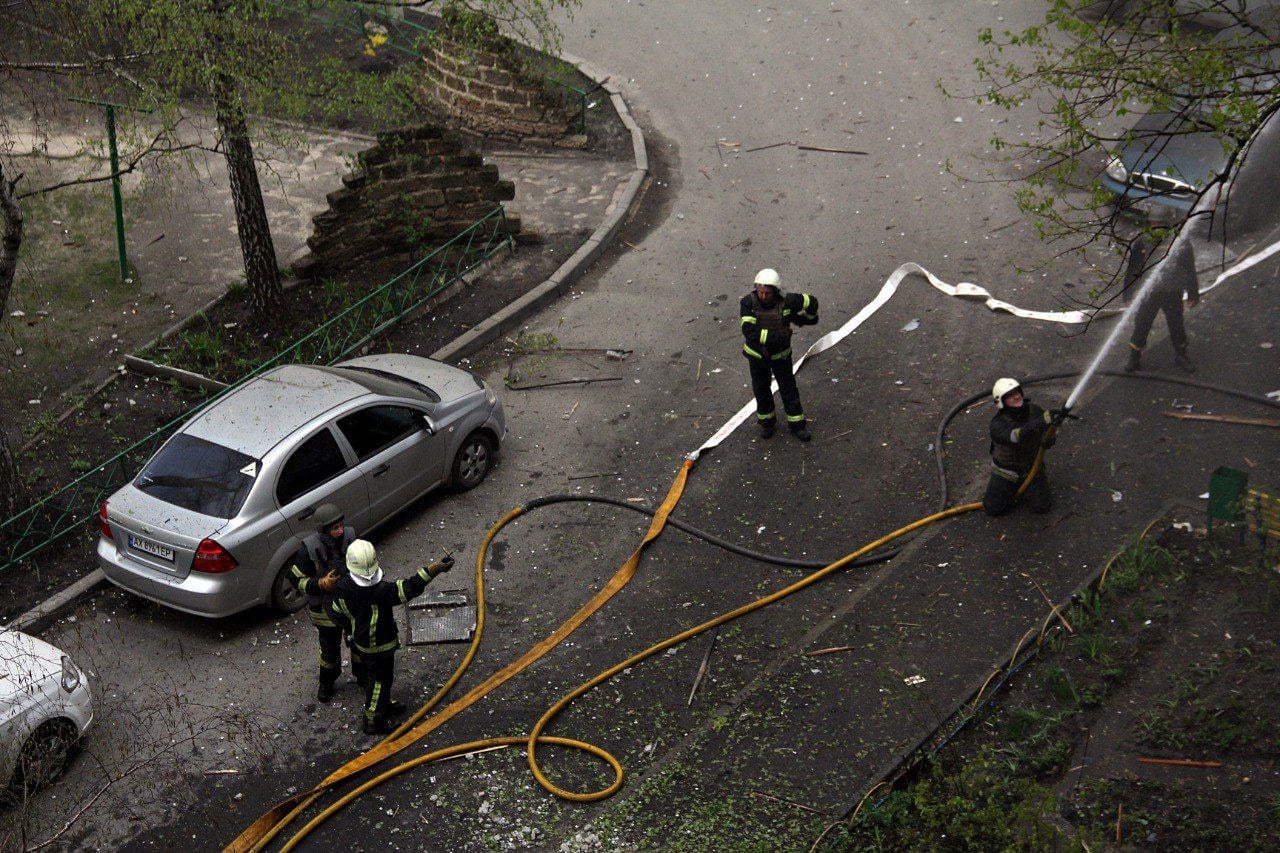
point(363, 602)
point(1018, 431)
point(319, 563)
point(766, 315)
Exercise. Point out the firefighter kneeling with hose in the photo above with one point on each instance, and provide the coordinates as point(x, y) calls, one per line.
point(363, 602)
point(1018, 431)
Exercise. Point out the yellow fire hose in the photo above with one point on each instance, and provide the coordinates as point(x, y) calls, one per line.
point(257, 836)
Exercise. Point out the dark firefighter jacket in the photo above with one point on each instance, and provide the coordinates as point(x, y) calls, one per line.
point(767, 328)
point(366, 611)
point(1178, 276)
point(319, 554)
point(1016, 436)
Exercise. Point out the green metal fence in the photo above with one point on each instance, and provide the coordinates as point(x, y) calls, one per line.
point(69, 508)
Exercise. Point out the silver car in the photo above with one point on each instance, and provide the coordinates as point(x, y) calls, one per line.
point(211, 523)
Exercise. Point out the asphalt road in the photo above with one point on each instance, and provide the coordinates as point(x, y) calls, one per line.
point(850, 74)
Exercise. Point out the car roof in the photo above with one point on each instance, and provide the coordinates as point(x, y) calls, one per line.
point(269, 408)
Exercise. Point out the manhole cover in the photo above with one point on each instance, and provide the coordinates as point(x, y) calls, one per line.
point(441, 617)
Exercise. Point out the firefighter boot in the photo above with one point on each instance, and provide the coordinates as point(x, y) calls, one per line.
point(800, 430)
point(767, 427)
point(1183, 361)
point(325, 691)
point(1135, 360)
point(379, 726)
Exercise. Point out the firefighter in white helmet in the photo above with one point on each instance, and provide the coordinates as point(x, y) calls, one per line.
point(362, 603)
point(766, 315)
point(1018, 431)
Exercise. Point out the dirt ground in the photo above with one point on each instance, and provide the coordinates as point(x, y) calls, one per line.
point(1175, 659)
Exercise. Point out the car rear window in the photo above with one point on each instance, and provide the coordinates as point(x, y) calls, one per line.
point(200, 476)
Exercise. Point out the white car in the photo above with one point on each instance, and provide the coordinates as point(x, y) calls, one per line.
point(45, 708)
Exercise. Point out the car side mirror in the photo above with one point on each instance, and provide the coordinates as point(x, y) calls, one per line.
point(426, 423)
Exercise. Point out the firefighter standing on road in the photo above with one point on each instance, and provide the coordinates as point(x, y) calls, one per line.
point(766, 316)
point(363, 602)
point(1018, 431)
point(319, 563)
point(1177, 278)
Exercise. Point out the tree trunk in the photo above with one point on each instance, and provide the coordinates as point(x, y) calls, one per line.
point(11, 240)
point(256, 245)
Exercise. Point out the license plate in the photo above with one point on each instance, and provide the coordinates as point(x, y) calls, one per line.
point(151, 548)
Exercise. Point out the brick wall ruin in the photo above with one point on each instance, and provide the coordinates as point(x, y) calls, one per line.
point(482, 91)
point(414, 189)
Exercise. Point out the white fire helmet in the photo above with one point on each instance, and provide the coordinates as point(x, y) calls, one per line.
point(1002, 388)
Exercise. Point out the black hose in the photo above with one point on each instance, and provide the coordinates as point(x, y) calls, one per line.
point(1260, 399)
point(869, 560)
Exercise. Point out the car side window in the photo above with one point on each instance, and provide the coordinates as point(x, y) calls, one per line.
point(378, 427)
point(317, 461)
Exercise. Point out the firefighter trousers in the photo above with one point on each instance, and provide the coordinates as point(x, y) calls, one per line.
point(763, 372)
point(1170, 302)
point(1002, 491)
point(379, 670)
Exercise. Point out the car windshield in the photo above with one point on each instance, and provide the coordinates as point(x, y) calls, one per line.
point(200, 476)
point(394, 377)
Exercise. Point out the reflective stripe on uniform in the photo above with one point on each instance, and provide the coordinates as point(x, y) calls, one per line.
point(374, 612)
point(374, 696)
point(373, 650)
point(804, 306)
point(748, 319)
point(783, 354)
point(1006, 474)
point(1014, 435)
point(764, 336)
point(794, 419)
point(749, 351)
point(320, 619)
point(768, 417)
point(400, 590)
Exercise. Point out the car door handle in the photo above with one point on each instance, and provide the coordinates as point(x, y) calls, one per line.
point(380, 470)
point(307, 513)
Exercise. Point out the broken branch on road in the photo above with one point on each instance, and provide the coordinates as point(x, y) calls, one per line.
point(1225, 419)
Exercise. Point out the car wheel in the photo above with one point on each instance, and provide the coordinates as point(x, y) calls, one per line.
point(473, 462)
point(44, 756)
point(285, 597)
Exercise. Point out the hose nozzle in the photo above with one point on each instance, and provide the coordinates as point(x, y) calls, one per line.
point(1060, 415)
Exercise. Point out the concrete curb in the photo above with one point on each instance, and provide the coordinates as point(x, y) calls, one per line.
point(43, 613)
point(508, 318)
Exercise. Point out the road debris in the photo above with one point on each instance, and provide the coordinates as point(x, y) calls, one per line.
point(617, 354)
point(576, 381)
point(914, 679)
point(761, 795)
point(829, 651)
point(911, 326)
point(1225, 419)
point(830, 150)
point(1049, 601)
point(767, 147)
point(703, 666)
point(1179, 762)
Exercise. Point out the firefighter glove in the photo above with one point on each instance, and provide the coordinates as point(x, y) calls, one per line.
point(440, 566)
point(328, 582)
